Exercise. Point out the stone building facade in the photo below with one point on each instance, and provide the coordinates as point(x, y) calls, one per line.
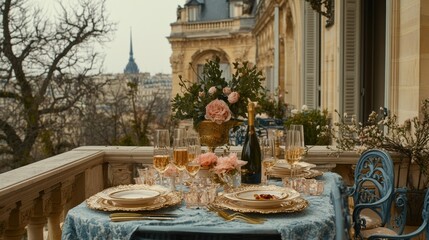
point(368, 55)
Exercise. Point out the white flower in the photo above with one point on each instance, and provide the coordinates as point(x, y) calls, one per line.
point(304, 108)
point(294, 111)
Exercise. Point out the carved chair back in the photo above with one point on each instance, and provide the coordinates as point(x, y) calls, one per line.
point(373, 187)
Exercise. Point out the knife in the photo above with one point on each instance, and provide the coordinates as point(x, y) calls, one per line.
point(122, 219)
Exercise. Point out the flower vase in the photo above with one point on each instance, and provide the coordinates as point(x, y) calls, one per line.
point(213, 134)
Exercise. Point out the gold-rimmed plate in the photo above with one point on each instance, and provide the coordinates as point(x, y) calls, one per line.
point(247, 196)
point(134, 196)
point(301, 173)
point(102, 201)
point(300, 165)
point(295, 205)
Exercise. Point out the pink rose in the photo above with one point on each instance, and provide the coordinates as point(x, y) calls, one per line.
point(207, 159)
point(233, 97)
point(212, 90)
point(218, 111)
point(226, 90)
point(228, 164)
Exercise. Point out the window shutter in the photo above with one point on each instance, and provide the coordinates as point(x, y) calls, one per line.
point(351, 64)
point(311, 56)
point(226, 71)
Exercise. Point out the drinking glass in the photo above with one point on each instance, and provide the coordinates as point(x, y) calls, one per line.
point(161, 151)
point(194, 151)
point(180, 151)
point(294, 146)
point(268, 147)
point(300, 132)
point(192, 169)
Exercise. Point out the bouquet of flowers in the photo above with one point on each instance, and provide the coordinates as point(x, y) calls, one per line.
point(222, 167)
point(214, 98)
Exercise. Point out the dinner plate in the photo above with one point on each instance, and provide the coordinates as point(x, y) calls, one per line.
point(299, 165)
point(246, 197)
point(134, 196)
point(295, 205)
point(102, 201)
point(258, 195)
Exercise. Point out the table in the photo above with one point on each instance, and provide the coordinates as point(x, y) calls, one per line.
point(317, 221)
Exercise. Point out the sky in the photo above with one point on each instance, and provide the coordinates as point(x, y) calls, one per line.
point(149, 21)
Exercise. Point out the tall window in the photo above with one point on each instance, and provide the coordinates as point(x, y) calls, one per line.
point(311, 71)
point(193, 13)
point(235, 9)
point(350, 80)
point(226, 71)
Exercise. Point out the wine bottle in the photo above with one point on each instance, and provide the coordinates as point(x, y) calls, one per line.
point(251, 172)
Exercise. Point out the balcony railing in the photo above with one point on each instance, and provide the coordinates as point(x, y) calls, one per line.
point(227, 26)
point(37, 197)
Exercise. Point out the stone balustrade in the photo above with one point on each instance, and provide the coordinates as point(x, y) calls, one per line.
point(37, 196)
point(212, 27)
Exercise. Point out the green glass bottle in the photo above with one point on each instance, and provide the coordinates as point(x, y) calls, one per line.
point(251, 172)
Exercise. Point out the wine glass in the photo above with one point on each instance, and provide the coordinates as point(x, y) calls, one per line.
point(161, 151)
point(268, 147)
point(180, 151)
point(294, 146)
point(194, 151)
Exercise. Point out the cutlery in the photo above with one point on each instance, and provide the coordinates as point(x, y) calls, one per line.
point(122, 219)
point(235, 216)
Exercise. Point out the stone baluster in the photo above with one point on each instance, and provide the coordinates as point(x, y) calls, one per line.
point(58, 198)
point(37, 220)
point(15, 229)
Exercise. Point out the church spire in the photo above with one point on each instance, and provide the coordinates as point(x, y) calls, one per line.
point(131, 67)
point(131, 45)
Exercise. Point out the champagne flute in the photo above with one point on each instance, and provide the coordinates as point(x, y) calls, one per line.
point(194, 151)
point(180, 151)
point(294, 146)
point(161, 151)
point(192, 169)
point(269, 159)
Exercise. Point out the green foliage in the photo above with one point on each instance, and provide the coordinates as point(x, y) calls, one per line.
point(192, 102)
point(313, 122)
point(273, 107)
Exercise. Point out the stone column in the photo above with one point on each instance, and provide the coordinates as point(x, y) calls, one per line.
point(15, 230)
point(37, 221)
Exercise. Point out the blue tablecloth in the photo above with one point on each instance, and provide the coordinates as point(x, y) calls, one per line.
point(317, 221)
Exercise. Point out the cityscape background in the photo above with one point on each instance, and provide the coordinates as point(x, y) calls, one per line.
point(150, 24)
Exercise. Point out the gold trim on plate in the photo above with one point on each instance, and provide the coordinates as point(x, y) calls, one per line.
point(288, 206)
point(102, 201)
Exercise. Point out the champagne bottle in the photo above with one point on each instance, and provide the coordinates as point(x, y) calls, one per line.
point(251, 172)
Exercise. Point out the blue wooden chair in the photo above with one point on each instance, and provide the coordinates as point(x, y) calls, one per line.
point(372, 192)
point(393, 235)
point(342, 218)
